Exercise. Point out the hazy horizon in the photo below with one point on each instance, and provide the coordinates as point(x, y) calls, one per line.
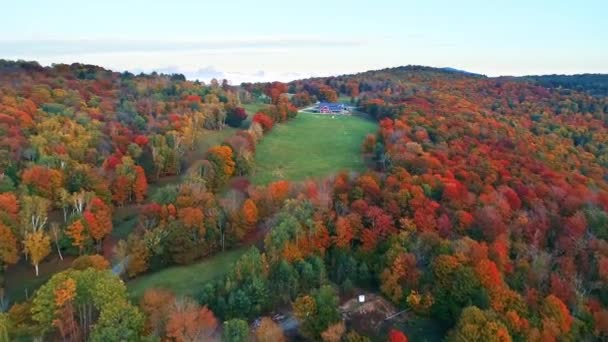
point(271, 40)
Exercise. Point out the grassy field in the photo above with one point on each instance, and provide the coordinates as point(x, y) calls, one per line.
point(311, 146)
point(252, 108)
point(186, 280)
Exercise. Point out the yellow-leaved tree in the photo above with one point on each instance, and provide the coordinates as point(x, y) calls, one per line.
point(37, 247)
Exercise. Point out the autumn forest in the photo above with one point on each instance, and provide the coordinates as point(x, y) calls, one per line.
point(459, 207)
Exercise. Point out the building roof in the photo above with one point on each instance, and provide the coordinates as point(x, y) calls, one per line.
point(332, 106)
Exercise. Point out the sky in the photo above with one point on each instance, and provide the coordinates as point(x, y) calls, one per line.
point(265, 40)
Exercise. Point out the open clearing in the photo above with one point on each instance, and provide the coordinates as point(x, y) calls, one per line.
point(186, 280)
point(21, 280)
point(311, 146)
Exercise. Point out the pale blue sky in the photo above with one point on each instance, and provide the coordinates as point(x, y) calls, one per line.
point(265, 40)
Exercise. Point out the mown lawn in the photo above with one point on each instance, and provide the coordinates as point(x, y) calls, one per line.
point(186, 280)
point(311, 146)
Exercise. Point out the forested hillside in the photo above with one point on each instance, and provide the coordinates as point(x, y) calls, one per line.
point(80, 147)
point(487, 209)
point(482, 215)
point(595, 84)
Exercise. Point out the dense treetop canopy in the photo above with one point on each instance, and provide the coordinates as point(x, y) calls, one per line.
point(484, 209)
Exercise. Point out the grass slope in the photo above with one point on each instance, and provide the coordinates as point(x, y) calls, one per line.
point(252, 108)
point(186, 280)
point(311, 146)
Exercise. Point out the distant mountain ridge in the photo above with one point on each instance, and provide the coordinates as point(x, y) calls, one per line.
point(594, 84)
point(450, 69)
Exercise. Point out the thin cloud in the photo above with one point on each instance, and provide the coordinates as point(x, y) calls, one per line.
point(208, 73)
point(49, 47)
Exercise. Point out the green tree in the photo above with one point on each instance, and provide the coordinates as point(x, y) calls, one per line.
point(317, 312)
point(182, 245)
point(236, 330)
point(311, 272)
point(307, 275)
point(239, 304)
point(476, 325)
point(120, 321)
point(96, 291)
point(286, 229)
point(5, 327)
point(456, 286)
point(284, 281)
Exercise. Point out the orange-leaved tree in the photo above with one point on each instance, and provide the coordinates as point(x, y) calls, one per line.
point(189, 322)
point(76, 231)
point(98, 219)
point(9, 251)
point(249, 213)
point(269, 331)
point(140, 186)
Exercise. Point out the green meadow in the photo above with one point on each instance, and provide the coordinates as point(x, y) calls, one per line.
point(311, 146)
point(186, 280)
